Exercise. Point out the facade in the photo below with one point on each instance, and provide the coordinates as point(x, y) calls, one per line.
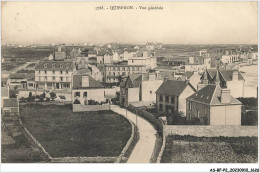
point(86, 90)
point(128, 53)
point(145, 59)
point(231, 79)
point(230, 58)
point(140, 88)
point(213, 105)
point(115, 72)
point(100, 57)
point(108, 57)
point(54, 75)
point(171, 96)
point(149, 46)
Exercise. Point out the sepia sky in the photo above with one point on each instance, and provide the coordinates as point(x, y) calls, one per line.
point(177, 23)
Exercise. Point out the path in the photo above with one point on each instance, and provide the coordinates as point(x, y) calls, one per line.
point(144, 148)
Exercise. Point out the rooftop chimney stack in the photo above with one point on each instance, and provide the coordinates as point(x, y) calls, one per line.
point(225, 96)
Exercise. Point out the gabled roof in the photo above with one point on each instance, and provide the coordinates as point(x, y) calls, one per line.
point(210, 94)
point(77, 82)
point(66, 65)
point(173, 87)
point(13, 102)
point(224, 74)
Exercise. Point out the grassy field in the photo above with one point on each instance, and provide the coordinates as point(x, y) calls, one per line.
point(189, 149)
point(15, 146)
point(66, 134)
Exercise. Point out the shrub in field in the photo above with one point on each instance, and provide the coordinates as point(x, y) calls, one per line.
point(53, 96)
point(249, 118)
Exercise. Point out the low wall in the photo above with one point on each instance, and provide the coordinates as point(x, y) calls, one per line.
point(141, 103)
point(83, 160)
point(211, 131)
point(156, 122)
point(86, 108)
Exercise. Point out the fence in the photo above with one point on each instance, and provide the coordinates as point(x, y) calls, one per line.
point(156, 122)
point(211, 131)
point(83, 108)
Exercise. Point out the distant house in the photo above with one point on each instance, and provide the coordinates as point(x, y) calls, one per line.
point(92, 55)
point(140, 88)
point(143, 58)
point(4, 94)
point(108, 58)
point(171, 96)
point(193, 77)
point(116, 56)
point(129, 53)
point(150, 46)
point(86, 89)
point(100, 57)
point(231, 79)
point(60, 54)
point(10, 106)
point(213, 105)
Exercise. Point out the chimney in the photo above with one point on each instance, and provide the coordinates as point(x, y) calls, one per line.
point(156, 74)
point(225, 96)
point(166, 78)
point(235, 75)
point(151, 76)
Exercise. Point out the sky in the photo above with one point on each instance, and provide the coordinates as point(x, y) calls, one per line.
point(176, 23)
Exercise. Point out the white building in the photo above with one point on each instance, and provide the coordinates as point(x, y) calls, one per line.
point(54, 74)
point(144, 59)
point(230, 58)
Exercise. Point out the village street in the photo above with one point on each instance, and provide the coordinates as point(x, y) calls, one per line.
point(144, 148)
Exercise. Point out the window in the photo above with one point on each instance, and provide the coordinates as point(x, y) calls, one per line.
point(161, 107)
point(61, 72)
point(123, 68)
point(39, 71)
point(123, 91)
point(109, 73)
point(151, 92)
point(53, 65)
point(85, 94)
point(53, 78)
point(114, 68)
point(61, 66)
point(45, 65)
point(190, 105)
point(167, 99)
point(45, 72)
point(67, 72)
point(123, 73)
point(172, 100)
point(77, 94)
point(132, 61)
point(114, 74)
point(198, 113)
point(118, 68)
point(161, 98)
point(61, 78)
point(45, 77)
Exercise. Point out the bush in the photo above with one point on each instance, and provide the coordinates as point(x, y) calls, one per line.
point(53, 95)
point(47, 99)
point(76, 101)
point(249, 118)
point(249, 103)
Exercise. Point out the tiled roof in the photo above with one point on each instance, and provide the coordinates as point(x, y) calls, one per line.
point(172, 87)
point(13, 102)
point(22, 76)
point(77, 82)
point(225, 74)
point(101, 53)
point(92, 52)
point(210, 94)
point(66, 65)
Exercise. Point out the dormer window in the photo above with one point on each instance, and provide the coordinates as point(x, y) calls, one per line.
point(53, 65)
point(45, 65)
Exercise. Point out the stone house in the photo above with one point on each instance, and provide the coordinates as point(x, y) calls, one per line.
point(214, 105)
point(171, 96)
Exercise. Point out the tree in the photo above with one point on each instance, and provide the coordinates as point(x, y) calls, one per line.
point(30, 98)
point(53, 95)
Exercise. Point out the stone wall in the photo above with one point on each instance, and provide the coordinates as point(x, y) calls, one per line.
point(211, 131)
point(84, 108)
